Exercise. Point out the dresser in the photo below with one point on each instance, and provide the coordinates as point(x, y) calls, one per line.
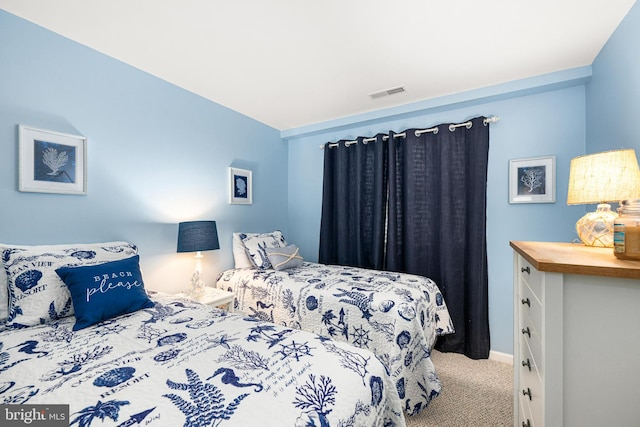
point(576, 336)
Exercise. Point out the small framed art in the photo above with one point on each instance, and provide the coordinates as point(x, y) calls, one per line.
point(532, 180)
point(51, 162)
point(240, 187)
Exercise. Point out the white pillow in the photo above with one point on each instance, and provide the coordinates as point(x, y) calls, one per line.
point(240, 257)
point(256, 246)
point(36, 292)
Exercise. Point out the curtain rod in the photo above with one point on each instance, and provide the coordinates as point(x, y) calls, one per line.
point(418, 132)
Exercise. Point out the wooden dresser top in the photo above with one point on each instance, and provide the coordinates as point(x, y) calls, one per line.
point(576, 258)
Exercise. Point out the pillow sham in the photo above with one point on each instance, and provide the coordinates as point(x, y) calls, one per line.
point(255, 246)
point(283, 258)
point(240, 257)
point(36, 293)
point(103, 291)
point(4, 288)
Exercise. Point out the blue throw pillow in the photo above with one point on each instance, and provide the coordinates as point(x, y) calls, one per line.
point(103, 291)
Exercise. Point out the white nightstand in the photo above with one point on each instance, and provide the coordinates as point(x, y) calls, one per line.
point(216, 297)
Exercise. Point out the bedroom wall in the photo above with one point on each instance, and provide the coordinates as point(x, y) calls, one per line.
point(613, 94)
point(157, 155)
point(533, 123)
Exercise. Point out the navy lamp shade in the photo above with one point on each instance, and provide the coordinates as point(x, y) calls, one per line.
point(197, 236)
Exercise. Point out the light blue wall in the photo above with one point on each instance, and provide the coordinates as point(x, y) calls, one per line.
point(544, 120)
point(613, 94)
point(157, 155)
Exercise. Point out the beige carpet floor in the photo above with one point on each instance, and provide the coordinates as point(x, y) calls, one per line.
point(474, 393)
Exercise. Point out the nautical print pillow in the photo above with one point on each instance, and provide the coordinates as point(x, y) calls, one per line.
point(4, 289)
point(283, 258)
point(240, 257)
point(256, 245)
point(104, 291)
point(36, 293)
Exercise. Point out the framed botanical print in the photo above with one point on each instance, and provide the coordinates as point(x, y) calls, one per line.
point(532, 180)
point(240, 187)
point(51, 162)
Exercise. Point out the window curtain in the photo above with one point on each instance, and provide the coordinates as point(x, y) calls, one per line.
point(416, 204)
point(352, 228)
point(437, 224)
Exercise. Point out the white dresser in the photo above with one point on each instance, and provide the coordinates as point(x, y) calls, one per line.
point(576, 336)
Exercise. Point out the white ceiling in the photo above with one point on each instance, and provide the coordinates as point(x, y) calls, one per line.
point(291, 63)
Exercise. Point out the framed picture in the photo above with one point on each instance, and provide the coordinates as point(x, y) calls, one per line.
point(240, 188)
point(51, 162)
point(532, 180)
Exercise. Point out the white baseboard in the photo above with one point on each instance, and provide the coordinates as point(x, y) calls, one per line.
point(501, 357)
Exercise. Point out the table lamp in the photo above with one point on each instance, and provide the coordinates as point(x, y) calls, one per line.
point(197, 236)
point(610, 176)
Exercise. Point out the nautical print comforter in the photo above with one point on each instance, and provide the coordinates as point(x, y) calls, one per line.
point(397, 316)
point(185, 364)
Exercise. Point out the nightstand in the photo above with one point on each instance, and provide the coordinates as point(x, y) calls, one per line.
point(216, 297)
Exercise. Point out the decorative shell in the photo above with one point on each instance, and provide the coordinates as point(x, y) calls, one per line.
point(28, 279)
point(407, 312)
point(312, 302)
point(386, 305)
point(403, 339)
point(114, 377)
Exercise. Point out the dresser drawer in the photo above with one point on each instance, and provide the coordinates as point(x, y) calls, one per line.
point(531, 305)
point(531, 276)
point(524, 414)
point(533, 343)
point(527, 363)
point(531, 396)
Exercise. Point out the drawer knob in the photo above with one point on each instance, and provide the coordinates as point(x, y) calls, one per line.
point(527, 392)
point(526, 331)
point(525, 270)
point(526, 301)
point(527, 364)
point(527, 424)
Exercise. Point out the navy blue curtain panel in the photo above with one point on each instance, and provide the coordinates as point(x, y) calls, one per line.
point(352, 229)
point(416, 204)
point(437, 224)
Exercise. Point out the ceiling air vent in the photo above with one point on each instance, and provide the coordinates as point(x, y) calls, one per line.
point(387, 92)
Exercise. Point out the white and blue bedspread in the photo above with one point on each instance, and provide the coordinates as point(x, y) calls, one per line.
point(185, 364)
point(397, 316)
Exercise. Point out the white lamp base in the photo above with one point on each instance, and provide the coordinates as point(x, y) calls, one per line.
point(596, 228)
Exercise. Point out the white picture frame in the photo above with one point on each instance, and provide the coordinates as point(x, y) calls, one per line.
point(240, 187)
point(532, 180)
point(51, 162)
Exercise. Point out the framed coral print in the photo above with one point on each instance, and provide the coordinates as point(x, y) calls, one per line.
point(51, 162)
point(532, 180)
point(240, 187)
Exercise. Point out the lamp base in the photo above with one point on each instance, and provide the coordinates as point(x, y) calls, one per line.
point(596, 228)
point(197, 284)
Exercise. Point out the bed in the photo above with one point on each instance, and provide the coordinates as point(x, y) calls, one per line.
point(397, 316)
point(165, 360)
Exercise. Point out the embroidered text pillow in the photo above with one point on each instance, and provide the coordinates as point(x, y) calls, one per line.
point(104, 291)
